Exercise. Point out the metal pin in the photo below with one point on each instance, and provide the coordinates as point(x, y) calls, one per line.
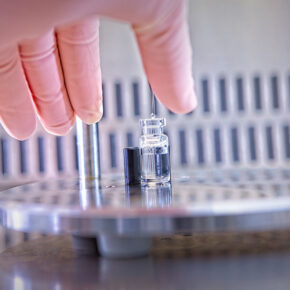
point(153, 109)
point(88, 149)
point(89, 163)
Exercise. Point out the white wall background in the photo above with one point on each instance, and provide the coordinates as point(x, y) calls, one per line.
point(227, 36)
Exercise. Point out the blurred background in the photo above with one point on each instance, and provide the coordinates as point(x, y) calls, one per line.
point(241, 65)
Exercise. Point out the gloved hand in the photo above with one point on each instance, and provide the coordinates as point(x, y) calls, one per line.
point(49, 59)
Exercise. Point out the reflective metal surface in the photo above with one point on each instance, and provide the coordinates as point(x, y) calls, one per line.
point(201, 201)
point(88, 149)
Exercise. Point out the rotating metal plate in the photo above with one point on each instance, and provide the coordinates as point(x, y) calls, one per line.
point(201, 201)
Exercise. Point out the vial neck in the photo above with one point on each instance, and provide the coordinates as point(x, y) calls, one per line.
point(152, 131)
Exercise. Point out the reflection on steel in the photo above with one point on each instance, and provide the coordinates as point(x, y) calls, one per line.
point(155, 195)
point(201, 201)
point(90, 192)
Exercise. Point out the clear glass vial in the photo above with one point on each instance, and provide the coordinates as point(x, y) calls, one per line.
point(154, 146)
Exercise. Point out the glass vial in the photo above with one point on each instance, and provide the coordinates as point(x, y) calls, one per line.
point(154, 146)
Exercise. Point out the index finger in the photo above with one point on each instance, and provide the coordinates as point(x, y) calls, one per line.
point(166, 54)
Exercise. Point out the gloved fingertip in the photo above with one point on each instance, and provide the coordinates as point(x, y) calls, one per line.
point(22, 134)
point(61, 129)
point(186, 104)
point(92, 118)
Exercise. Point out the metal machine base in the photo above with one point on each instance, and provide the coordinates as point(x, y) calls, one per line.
point(126, 218)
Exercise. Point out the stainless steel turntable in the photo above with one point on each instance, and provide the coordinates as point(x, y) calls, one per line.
point(197, 201)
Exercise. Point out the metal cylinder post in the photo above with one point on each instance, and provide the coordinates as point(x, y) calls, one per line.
point(88, 163)
point(89, 170)
point(88, 149)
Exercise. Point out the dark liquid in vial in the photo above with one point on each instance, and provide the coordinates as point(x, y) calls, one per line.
point(162, 167)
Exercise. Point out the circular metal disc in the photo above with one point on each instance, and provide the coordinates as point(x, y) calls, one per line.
point(201, 201)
